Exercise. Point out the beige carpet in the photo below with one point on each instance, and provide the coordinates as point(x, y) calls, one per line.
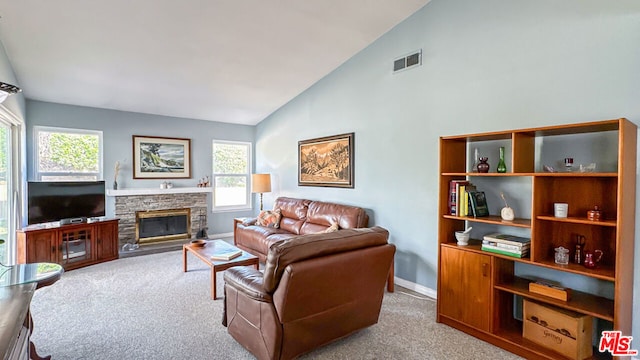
point(145, 307)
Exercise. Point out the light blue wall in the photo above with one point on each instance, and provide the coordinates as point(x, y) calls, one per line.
point(119, 126)
point(487, 65)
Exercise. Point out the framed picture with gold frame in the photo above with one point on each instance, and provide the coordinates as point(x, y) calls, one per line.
point(161, 157)
point(326, 161)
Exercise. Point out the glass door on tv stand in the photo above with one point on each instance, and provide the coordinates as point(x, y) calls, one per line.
point(75, 246)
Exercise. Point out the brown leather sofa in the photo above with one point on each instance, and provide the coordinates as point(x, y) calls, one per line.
point(315, 289)
point(299, 217)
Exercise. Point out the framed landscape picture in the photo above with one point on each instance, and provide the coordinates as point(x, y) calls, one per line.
point(326, 161)
point(161, 158)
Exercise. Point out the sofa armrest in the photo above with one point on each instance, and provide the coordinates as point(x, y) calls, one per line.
point(249, 221)
point(244, 221)
point(248, 281)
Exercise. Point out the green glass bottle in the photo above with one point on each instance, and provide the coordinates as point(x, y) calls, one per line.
point(502, 167)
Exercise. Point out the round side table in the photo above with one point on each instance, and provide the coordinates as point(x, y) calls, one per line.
point(42, 274)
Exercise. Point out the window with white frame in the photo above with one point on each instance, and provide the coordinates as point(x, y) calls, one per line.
point(6, 185)
point(231, 175)
point(67, 154)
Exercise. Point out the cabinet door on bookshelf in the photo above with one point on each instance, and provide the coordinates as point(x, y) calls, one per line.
point(466, 287)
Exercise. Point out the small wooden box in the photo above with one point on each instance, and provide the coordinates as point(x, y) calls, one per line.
point(564, 331)
point(550, 290)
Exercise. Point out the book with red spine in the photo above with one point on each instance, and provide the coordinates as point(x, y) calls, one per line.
point(454, 186)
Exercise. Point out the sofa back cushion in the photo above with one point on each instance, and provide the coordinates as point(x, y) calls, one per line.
point(293, 211)
point(287, 251)
point(321, 215)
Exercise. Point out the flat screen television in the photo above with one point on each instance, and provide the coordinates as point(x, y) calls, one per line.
point(53, 201)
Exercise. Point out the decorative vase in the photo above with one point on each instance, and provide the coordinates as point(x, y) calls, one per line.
point(483, 166)
point(502, 167)
point(115, 185)
point(474, 166)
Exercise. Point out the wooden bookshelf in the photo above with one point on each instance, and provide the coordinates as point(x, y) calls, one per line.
point(489, 283)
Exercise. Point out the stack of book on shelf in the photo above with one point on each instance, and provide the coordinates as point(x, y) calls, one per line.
point(506, 245)
point(455, 201)
point(465, 200)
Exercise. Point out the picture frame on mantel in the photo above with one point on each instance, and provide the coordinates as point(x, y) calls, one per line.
point(327, 161)
point(157, 157)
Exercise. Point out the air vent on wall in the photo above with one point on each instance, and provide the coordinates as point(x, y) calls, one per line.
point(407, 61)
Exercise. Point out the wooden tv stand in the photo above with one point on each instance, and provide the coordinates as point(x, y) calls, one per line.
point(72, 246)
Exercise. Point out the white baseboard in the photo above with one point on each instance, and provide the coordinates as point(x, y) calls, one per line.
point(218, 236)
point(416, 287)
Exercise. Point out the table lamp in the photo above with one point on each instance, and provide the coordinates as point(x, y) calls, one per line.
point(260, 183)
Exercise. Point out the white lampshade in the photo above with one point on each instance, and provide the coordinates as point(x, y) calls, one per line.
point(260, 183)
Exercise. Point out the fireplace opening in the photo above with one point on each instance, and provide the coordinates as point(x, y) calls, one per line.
point(162, 225)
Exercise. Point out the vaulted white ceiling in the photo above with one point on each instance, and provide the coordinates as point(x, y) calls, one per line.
point(233, 61)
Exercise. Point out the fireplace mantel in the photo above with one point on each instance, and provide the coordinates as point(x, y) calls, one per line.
point(157, 191)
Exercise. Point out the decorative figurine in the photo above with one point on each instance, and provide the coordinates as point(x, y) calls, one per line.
point(562, 256)
point(204, 182)
point(568, 164)
point(476, 159)
point(595, 214)
point(115, 175)
point(506, 213)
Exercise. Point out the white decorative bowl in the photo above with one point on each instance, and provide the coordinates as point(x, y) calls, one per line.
point(463, 239)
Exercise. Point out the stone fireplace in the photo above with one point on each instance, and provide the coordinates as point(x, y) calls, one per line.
point(154, 204)
point(154, 226)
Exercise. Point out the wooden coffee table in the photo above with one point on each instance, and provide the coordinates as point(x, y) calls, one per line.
point(204, 253)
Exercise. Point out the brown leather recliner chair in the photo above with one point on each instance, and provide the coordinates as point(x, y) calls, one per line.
point(315, 289)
